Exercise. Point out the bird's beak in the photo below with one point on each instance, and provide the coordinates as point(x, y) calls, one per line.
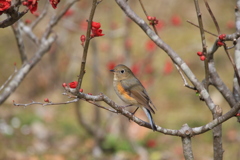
point(112, 70)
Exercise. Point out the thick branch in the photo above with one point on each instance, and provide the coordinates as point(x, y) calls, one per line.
point(24, 70)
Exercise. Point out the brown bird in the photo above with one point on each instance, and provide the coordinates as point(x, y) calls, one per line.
point(132, 92)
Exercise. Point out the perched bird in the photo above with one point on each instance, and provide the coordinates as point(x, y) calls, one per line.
point(132, 92)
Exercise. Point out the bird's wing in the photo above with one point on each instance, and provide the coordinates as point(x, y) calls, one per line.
point(138, 92)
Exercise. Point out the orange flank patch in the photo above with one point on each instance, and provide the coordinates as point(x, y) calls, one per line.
point(124, 93)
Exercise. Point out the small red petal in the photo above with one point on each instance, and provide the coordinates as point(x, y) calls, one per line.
point(80, 90)
point(73, 84)
point(89, 93)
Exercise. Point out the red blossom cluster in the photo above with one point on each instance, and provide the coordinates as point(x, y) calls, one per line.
point(4, 5)
point(72, 85)
point(221, 39)
point(152, 20)
point(96, 31)
point(201, 55)
point(54, 3)
point(33, 4)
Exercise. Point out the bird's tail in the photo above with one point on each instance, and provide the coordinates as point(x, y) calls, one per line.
point(149, 116)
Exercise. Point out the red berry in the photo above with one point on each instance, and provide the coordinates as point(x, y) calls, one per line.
point(80, 90)
point(220, 43)
point(89, 93)
point(222, 36)
point(82, 38)
point(46, 100)
point(64, 85)
point(202, 58)
point(199, 53)
point(149, 18)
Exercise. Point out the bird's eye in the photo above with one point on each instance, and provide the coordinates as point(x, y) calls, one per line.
point(122, 71)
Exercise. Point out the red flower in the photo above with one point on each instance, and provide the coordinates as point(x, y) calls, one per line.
point(220, 43)
point(73, 84)
point(96, 25)
point(31, 4)
point(4, 5)
point(54, 3)
point(96, 31)
point(222, 37)
point(150, 46)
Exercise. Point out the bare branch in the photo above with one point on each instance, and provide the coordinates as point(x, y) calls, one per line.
point(9, 78)
point(44, 104)
point(19, 39)
point(24, 70)
point(184, 79)
point(86, 46)
point(203, 29)
point(212, 15)
point(14, 17)
point(40, 17)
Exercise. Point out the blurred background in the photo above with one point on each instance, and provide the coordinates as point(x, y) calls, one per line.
point(83, 131)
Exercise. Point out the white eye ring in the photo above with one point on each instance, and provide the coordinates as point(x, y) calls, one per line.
point(122, 71)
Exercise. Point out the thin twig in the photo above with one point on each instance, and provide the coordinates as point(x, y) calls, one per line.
point(40, 17)
point(212, 15)
point(19, 39)
point(204, 29)
point(9, 78)
point(145, 12)
point(44, 104)
point(86, 46)
point(233, 63)
point(184, 79)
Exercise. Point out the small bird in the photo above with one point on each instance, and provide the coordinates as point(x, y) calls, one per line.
point(132, 92)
